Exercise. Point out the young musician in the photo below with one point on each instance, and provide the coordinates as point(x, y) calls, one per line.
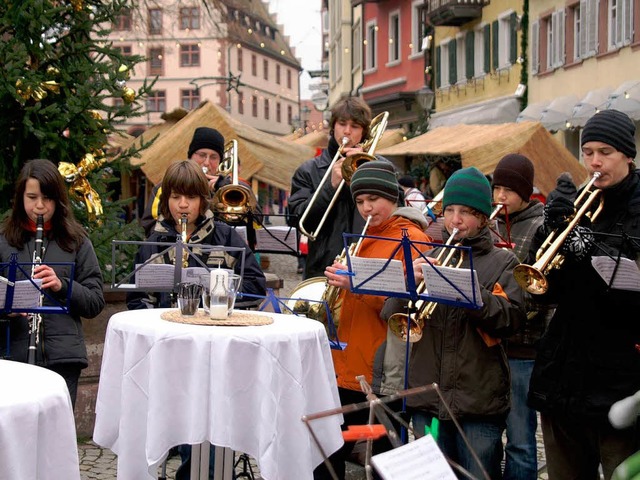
point(185, 191)
point(512, 185)
point(350, 119)
point(589, 357)
point(370, 351)
point(461, 348)
point(41, 190)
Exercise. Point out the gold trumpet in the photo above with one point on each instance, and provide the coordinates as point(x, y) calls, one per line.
point(232, 203)
point(403, 324)
point(349, 166)
point(533, 278)
point(309, 296)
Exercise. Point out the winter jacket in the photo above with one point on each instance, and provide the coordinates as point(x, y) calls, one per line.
point(360, 325)
point(208, 232)
point(589, 357)
point(61, 338)
point(460, 348)
point(523, 226)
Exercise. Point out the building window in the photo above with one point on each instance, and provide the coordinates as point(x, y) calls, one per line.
point(254, 105)
point(417, 27)
point(288, 79)
point(278, 74)
point(125, 50)
point(189, 18)
point(156, 61)
point(356, 42)
point(394, 36)
point(371, 46)
point(254, 65)
point(289, 115)
point(265, 69)
point(155, 21)
point(189, 99)
point(189, 55)
point(278, 112)
point(241, 103)
point(505, 39)
point(266, 109)
point(157, 101)
point(239, 59)
point(123, 21)
point(620, 22)
point(554, 33)
point(480, 51)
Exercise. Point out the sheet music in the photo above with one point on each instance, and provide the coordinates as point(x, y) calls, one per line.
point(391, 279)
point(242, 231)
point(25, 294)
point(438, 287)
point(417, 460)
point(277, 238)
point(434, 230)
point(160, 275)
point(627, 275)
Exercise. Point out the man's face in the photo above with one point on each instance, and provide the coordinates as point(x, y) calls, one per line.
point(612, 164)
point(349, 129)
point(207, 158)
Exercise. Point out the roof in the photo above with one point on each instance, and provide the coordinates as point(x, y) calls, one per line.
point(482, 146)
point(261, 155)
point(320, 138)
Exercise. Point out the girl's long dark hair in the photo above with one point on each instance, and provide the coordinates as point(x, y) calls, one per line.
point(65, 229)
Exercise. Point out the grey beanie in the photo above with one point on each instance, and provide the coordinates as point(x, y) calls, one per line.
point(376, 177)
point(614, 128)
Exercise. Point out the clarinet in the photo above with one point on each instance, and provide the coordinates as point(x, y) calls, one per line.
point(35, 319)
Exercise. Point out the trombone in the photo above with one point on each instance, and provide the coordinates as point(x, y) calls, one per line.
point(349, 166)
point(233, 202)
point(533, 278)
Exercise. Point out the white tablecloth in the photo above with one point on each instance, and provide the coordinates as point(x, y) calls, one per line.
point(246, 388)
point(37, 428)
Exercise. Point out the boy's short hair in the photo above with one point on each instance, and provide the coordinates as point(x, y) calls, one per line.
point(355, 109)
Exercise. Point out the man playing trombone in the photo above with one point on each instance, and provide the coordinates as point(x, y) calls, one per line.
point(349, 126)
point(589, 357)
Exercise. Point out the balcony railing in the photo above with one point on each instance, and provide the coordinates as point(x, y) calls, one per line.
point(454, 13)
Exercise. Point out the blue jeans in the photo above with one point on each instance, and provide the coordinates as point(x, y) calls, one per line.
point(521, 456)
point(485, 438)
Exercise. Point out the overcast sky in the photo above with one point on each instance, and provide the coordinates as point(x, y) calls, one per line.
point(302, 23)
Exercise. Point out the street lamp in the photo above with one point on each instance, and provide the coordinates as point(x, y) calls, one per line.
point(425, 97)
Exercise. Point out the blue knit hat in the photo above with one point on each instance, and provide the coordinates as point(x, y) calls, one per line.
point(468, 187)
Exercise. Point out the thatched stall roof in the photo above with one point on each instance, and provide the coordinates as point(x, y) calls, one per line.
point(483, 146)
point(320, 138)
point(262, 156)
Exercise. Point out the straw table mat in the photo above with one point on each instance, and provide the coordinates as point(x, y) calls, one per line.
point(201, 318)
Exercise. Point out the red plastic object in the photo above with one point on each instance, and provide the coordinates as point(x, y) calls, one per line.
point(363, 432)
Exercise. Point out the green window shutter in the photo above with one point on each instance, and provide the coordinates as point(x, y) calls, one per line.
point(469, 40)
point(487, 48)
point(453, 64)
point(438, 76)
point(494, 44)
point(513, 37)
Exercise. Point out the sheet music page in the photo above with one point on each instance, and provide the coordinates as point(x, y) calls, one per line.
point(434, 230)
point(627, 276)
point(438, 287)
point(192, 274)
point(277, 238)
point(417, 460)
point(155, 275)
point(25, 294)
point(391, 279)
point(242, 231)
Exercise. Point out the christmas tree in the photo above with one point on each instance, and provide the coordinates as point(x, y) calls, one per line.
point(63, 94)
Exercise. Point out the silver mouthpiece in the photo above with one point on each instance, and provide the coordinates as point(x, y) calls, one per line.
point(205, 170)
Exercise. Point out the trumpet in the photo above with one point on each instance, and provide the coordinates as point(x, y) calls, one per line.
point(232, 203)
point(533, 278)
point(403, 324)
point(310, 295)
point(349, 166)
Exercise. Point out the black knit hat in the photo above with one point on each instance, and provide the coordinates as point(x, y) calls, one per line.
point(468, 187)
point(515, 171)
point(205, 137)
point(376, 178)
point(614, 128)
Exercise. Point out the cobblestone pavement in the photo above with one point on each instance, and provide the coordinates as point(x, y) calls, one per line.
point(101, 464)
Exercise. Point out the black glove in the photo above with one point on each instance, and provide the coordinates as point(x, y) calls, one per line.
point(558, 213)
point(578, 244)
